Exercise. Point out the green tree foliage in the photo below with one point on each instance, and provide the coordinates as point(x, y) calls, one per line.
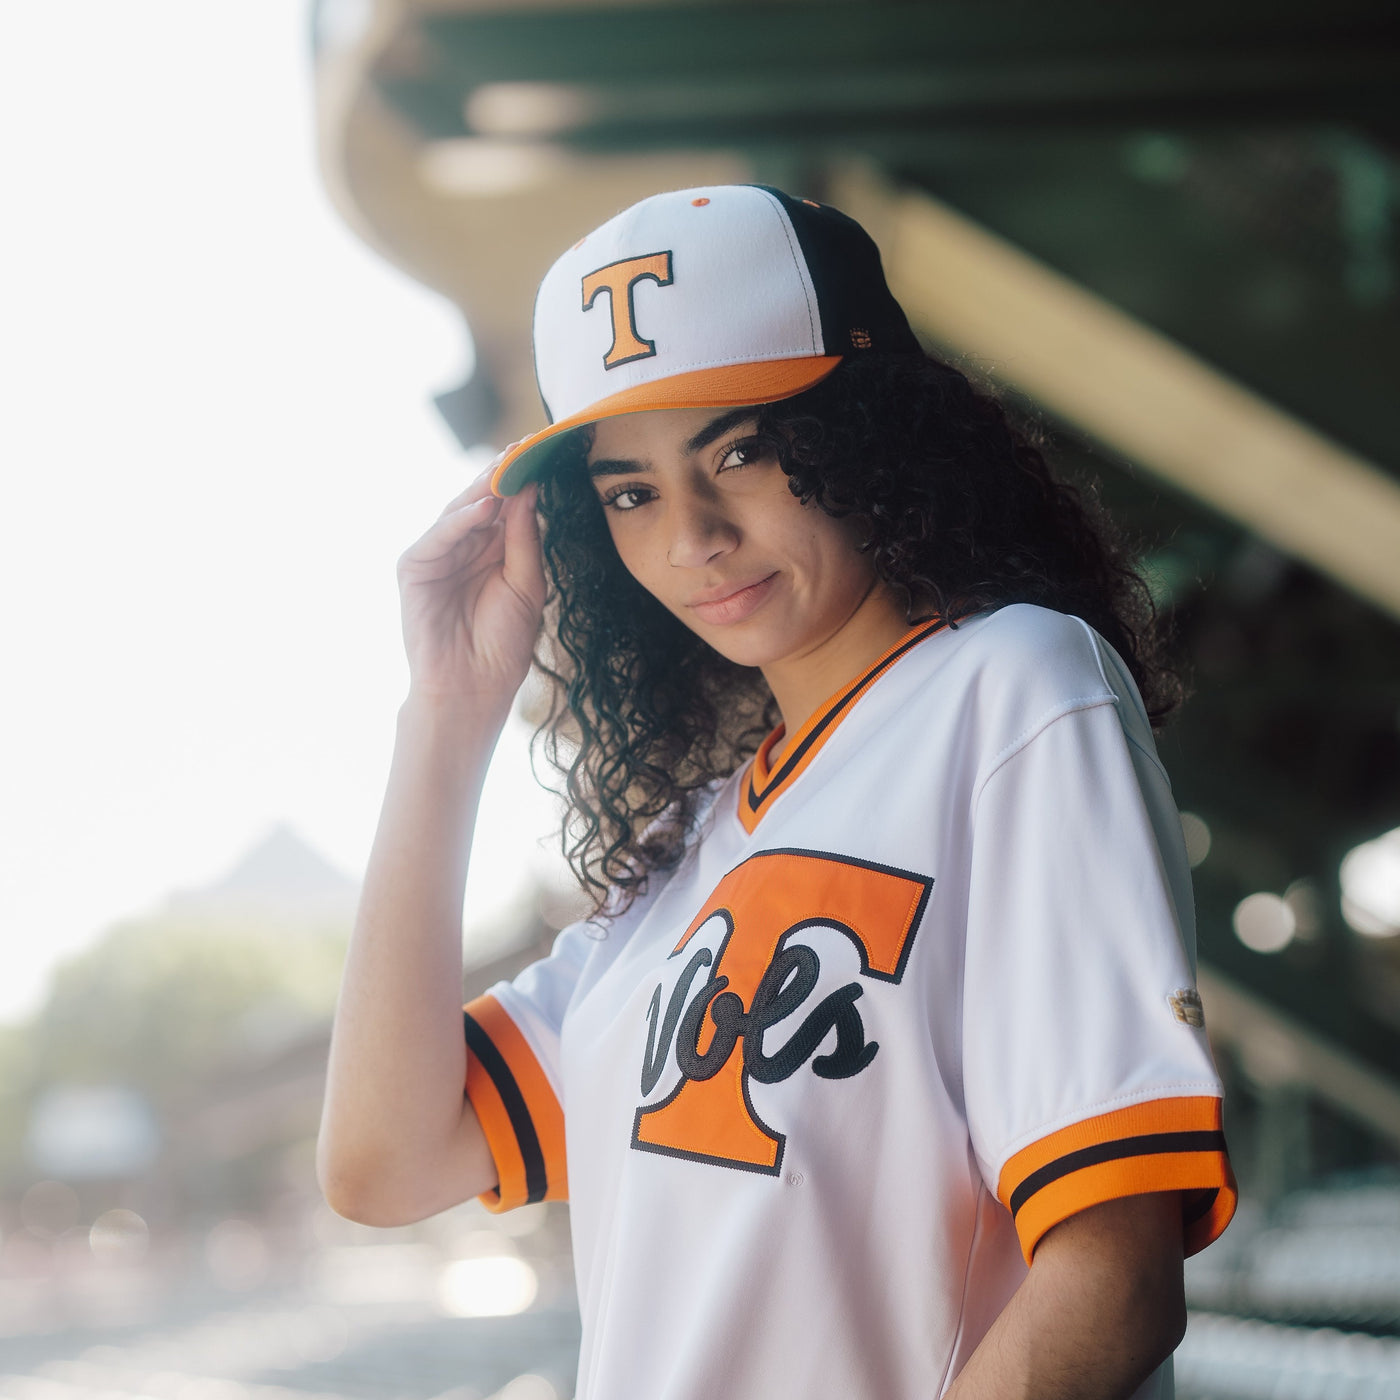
point(16, 1077)
point(161, 1004)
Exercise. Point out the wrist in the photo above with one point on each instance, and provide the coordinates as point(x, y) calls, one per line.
point(462, 729)
point(455, 709)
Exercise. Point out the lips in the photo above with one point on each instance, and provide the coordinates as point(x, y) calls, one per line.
point(736, 605)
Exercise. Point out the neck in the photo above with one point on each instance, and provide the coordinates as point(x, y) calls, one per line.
point(802, 683)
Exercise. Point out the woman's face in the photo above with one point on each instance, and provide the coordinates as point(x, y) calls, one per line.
point(702, 518)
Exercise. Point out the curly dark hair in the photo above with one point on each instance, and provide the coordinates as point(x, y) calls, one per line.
point(961, 515)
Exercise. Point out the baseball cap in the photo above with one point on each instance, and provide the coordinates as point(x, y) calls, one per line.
point(713, 297)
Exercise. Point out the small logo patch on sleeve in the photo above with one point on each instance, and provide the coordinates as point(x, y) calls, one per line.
point(1185, 1003)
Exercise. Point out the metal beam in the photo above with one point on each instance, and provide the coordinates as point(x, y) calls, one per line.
point(647, 75)
point(824, 42)
point(1131, 388)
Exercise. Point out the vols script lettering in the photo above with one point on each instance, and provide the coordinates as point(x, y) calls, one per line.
point(758, 978)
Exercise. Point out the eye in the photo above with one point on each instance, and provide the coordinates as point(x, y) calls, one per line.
point(744, 452)
point(624, 498)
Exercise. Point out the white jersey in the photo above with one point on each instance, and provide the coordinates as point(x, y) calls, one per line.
point(923, 988)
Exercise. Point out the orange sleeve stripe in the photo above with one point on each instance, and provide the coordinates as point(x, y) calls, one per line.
point(517, 1109)
point(1163, 1145)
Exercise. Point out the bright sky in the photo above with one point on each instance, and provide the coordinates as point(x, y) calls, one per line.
point(217, 437)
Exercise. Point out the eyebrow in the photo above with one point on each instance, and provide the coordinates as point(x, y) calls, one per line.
point(716, 427)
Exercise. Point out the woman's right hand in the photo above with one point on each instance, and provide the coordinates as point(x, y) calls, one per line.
point(472, 592)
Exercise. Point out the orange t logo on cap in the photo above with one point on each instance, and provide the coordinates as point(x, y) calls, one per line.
point(618, 279)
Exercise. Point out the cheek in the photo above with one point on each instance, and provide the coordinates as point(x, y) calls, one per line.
point(832, 548)
point(638, 554)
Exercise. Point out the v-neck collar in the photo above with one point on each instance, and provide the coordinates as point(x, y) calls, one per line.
point(761, 786)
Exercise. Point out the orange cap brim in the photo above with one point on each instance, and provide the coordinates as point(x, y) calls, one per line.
point(729, 386)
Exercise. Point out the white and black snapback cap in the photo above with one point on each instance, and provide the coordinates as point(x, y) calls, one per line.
point(706, 298)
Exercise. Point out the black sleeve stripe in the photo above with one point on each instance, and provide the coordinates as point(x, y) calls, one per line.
point(528, 1140)
point(1147, 1145)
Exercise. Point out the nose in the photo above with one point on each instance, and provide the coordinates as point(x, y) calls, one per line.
point(700, 531)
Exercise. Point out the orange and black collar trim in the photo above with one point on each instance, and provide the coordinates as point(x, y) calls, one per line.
point(761, 787)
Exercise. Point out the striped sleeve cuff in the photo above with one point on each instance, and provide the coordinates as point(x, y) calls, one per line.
point(1162, 1145)
point(518, 1110)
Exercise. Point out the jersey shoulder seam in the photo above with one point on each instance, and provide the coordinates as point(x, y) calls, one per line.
point(1094, 640)
point(1032, 731)
point(1098, 644)
point(1153, 758)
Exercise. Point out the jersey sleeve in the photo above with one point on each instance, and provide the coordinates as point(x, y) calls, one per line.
point(1087, 1075)
point(513, 1072)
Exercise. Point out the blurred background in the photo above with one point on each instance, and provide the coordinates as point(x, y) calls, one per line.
point(266, 280)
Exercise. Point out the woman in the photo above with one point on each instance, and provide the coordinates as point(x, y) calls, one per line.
point(880, 1065)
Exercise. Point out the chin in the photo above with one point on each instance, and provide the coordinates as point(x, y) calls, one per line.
point(752, 643)
point(756, 657)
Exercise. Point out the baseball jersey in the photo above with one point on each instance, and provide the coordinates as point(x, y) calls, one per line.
point(921, 988)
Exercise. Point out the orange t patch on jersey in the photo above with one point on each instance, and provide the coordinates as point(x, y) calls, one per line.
point(759, 977)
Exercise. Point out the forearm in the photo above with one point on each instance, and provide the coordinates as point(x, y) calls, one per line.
point(1100, 1309)
point(394, 1104)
